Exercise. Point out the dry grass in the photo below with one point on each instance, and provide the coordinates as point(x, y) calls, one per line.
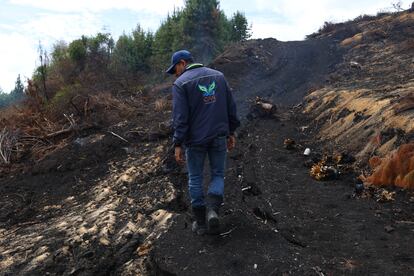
point(162, 104)
point(352, 40)
point(39, 129)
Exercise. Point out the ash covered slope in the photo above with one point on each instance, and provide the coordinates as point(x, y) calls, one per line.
point(356, 80)
point(280, 71)
point(368, 104)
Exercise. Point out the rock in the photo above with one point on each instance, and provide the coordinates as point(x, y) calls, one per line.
point(359, 186)
point(389, 229)
point(356, 65)
point(261, 109)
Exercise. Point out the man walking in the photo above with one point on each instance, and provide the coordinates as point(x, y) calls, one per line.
point(204, 121)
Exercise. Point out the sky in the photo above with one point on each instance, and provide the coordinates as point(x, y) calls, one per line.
point(25, 23)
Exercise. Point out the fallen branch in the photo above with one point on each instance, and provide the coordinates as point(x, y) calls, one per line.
point(118, 136)
point(404, 222)
point(228, 232)
point(7, 143)
point(70, 129)
point(60, 132)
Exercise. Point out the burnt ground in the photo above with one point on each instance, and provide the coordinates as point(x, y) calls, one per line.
point(114, 208)
point(109, 207)
point(92, 206)
point(283, 72)
point(287, 223)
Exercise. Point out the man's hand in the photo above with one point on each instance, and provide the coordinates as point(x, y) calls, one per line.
point(179, 155)
point(231, 142)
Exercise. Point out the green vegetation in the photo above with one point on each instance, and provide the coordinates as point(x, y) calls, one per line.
point(132, 53)
point(16, 95)
point(98, 63)
point(200, 27)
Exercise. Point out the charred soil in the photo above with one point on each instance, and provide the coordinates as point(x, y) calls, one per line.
point(276, 220)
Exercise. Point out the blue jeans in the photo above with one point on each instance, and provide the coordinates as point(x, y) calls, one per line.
point(195, 155)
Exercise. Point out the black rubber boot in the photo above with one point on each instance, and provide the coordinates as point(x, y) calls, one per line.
point(213, 204)
point(199, 225)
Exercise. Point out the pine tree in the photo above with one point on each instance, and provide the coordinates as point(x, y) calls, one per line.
point(202, 28)
point(132, 52)
point(3, 98)
point(18, 92)
point(167, 39)
point(240, 29)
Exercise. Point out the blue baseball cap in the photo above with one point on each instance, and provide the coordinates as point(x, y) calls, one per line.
point(175, 59)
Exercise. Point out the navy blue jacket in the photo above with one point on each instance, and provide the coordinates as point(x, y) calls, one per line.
point(203, 106)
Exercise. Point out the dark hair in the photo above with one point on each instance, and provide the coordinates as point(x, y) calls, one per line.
point(189, 60)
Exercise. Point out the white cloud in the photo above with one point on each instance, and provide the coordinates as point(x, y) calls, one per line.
point(53, 27)
point(304, 17)
point(157, 7)
point(18, 56)
point(20, 42)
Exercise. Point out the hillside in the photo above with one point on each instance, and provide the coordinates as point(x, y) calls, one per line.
point(367, 107)
point(102, 195)
point(282, 72)
point(355, 79)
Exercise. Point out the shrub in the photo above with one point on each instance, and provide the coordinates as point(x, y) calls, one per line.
point(395, 169)
point(62, 99)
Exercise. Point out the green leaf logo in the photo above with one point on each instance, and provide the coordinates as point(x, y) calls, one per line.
point(212, 87)
point(202, 88)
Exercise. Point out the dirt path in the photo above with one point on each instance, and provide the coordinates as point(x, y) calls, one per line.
point(288, 223)
point(283, 72)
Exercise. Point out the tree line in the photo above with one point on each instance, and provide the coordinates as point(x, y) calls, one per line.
point(99, 63)
point(16, 95)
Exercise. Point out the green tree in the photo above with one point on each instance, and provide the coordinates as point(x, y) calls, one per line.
point(18, 92)
point(15, 95)
point(90, 62)
point(167, 39)
point(99, 49)
point(4, 98)
point(59, 52)
point(202, 28)
point(78, 50)
point(239, 27)
point(62, 67)
point(132, 53)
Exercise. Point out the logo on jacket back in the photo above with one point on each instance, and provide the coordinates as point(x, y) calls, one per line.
point(209, 92)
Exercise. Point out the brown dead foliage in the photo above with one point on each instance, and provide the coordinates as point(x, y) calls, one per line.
point(40, 127)
point(396, 169)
